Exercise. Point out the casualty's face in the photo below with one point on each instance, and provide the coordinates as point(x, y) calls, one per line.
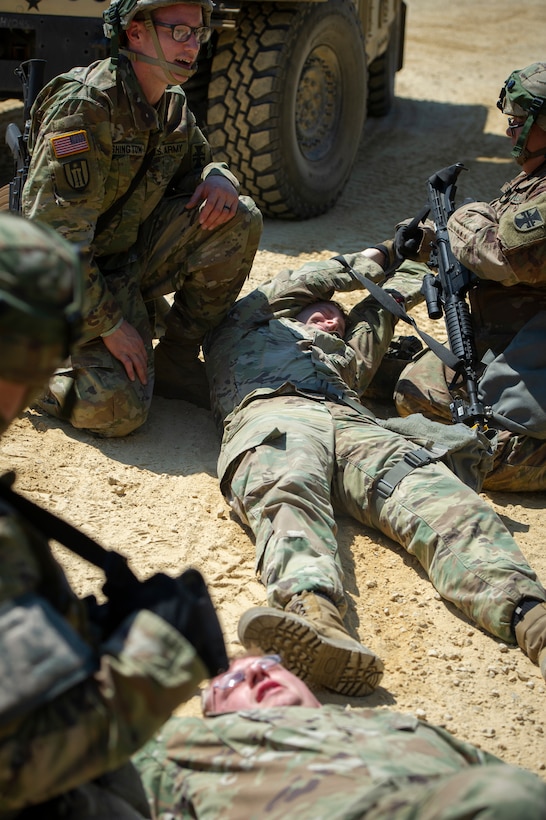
point(325, 316)
point(253, 682)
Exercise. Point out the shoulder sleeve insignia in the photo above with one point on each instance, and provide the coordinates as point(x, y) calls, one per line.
point(64, 145)
point(76, 173)
point(528, 220)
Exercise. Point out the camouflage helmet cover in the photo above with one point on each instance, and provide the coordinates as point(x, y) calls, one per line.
point(524, 93)
point(40, 300)
point(119, 13)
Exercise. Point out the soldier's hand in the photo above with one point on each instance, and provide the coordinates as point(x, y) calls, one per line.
point(126, 345)
point(414, 241)
point(217, 201)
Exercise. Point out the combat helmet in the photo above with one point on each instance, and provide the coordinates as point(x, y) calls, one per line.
point(119, 14)
point(41, 288)
point(524, 95)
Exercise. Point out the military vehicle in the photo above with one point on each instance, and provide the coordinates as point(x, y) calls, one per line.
point(282, 91)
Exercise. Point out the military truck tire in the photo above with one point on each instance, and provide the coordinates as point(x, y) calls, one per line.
point(287, 103)
point(382, 70)
point(381, 83)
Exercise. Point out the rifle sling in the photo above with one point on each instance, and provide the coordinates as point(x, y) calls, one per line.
point(415, 458)
point(389, 303)
point(54, 527)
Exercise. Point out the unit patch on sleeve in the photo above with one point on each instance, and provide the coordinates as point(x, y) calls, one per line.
point(528, 220)
point(74, 142)
point(76, 173)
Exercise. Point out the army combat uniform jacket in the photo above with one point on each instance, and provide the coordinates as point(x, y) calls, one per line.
point(260, 350)
point(72, 706)
point(91, 132)
point(114, 175)
point(297, 443)
point(326, 763)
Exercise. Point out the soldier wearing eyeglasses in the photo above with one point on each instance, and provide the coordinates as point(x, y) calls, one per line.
point(120, 169)
point(504, 243)
point(268, 748)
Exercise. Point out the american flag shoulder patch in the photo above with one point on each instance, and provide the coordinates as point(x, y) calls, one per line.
point(74, 142)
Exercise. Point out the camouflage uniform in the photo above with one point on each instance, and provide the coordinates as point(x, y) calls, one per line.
point(314, 763)
point(297, 443)
point(504, 243)
point(75, 701)
point(91, 132)
point(90, 718)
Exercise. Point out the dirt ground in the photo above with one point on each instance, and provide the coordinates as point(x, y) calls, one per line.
point(155, 497)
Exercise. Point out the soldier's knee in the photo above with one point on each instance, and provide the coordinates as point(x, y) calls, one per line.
point(112, 411)
point(116, 427)
point(249, 212)
point(422, 388)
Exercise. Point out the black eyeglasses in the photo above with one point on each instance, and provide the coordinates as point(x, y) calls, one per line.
point(182, 33)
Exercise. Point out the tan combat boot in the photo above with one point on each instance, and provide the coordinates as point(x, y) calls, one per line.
point(313, 643)
point(531, 635)
point(180, 373)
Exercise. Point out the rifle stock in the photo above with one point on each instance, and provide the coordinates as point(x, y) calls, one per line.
point(31, 74)
point(445, 294)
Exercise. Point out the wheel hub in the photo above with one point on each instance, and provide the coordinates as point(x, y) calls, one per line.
point(317, 106)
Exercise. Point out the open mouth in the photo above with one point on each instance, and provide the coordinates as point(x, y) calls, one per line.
point(265, 688)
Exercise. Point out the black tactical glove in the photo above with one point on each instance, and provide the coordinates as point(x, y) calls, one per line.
point(183, 602)
point(413, 241)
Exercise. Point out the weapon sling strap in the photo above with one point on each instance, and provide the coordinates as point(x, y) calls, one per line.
point(54, 527)
point(104, 219)
point(389, 303)
point(421, 456)
point(415, 458)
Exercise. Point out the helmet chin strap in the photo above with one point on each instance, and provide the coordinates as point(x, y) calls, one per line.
point(519, 151)
point(170, 70)
point(525, 155)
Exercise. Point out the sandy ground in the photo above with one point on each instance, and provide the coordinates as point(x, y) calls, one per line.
point(155, 497)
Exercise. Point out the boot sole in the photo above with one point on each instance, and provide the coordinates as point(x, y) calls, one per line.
point(336, 665)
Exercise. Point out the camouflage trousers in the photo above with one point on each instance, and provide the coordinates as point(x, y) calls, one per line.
point(315, 456)
point(348, 767)
point(204, 269)
point(520, 461)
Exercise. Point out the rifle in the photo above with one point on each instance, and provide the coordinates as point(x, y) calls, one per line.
point(185, 601)
point(31, 74)
point(445, 294)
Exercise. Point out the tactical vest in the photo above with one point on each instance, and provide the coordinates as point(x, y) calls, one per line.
point(499, 312)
